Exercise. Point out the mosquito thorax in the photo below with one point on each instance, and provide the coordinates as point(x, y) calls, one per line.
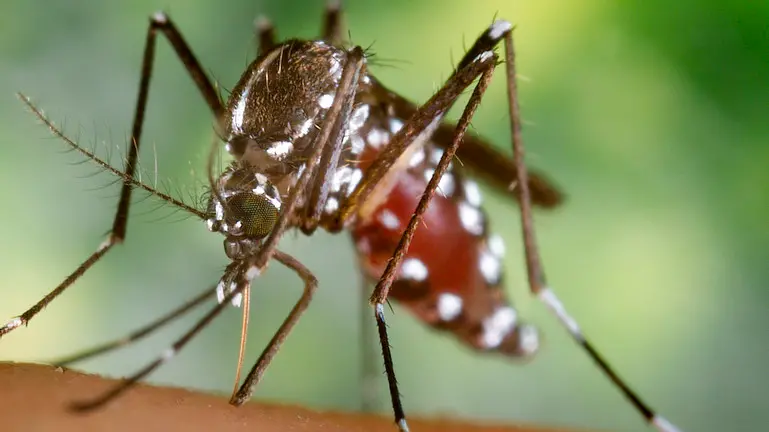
point(276, 108)
point(244, 207)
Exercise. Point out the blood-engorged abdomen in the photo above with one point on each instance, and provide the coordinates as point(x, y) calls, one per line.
point(451, 276)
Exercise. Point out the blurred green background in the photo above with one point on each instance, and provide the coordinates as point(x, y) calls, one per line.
point(651, 115)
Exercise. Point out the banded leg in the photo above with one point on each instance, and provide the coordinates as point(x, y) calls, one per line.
point(136, 335)
point(158, 23)
point(331, 33)
point(255, 375)
point(536, 275)
point(236, 273)
point(231, 274)
point(318, 195)
point(265, 34)
point(379, 296)
point(413, 134)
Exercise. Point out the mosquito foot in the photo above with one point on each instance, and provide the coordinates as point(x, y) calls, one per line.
point(662, 425)
point(403, 426)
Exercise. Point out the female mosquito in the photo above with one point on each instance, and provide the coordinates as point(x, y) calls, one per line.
point(318, 142)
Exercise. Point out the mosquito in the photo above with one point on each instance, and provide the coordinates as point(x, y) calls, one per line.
point(318, 142)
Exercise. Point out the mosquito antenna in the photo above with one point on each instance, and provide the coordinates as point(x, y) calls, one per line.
point(136, 335)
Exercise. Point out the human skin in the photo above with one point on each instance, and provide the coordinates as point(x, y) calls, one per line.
point(35, 398)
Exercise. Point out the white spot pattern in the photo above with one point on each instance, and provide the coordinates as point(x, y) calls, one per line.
point(377, 137)
point(12, 324)
point(417, 158)
point(528, 339)
point(395, 125)
point(332, 205)
point(252, 272)
point(305, 128)
point(341, 176)
point(428, 174)
point(471, 218)
point(359, 117)
point(413, 269)
point(472, 193)
point(496, 245)
point(357, 144)
point(239, 112)
point(436, 155)
point(325, 101)
point(497, 326)
point(449, 306)
point(389, 220)
point(490, 267)
point(446, 184)
point(483, 56)
point(280, 149)
point(498, 28)
point(168, 354)
point(355, 178)
point(220, 292)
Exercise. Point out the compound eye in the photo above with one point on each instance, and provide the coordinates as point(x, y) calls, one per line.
point(256, 213)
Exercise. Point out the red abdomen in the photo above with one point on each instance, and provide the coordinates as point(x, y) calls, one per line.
point(451, 276)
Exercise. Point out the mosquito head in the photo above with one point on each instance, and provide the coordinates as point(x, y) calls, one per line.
point(244, 207)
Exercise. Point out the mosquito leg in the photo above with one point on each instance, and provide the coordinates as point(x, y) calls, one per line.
point(535, 271)
point(310, 285)
point(137, 334)
point(318, 195)
point(369, 370)
point(233, 275)
point(159, 22)
point(332, 23)
point(480, 157)
point(414, 133)
point(265, 33)
point(379, 297)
